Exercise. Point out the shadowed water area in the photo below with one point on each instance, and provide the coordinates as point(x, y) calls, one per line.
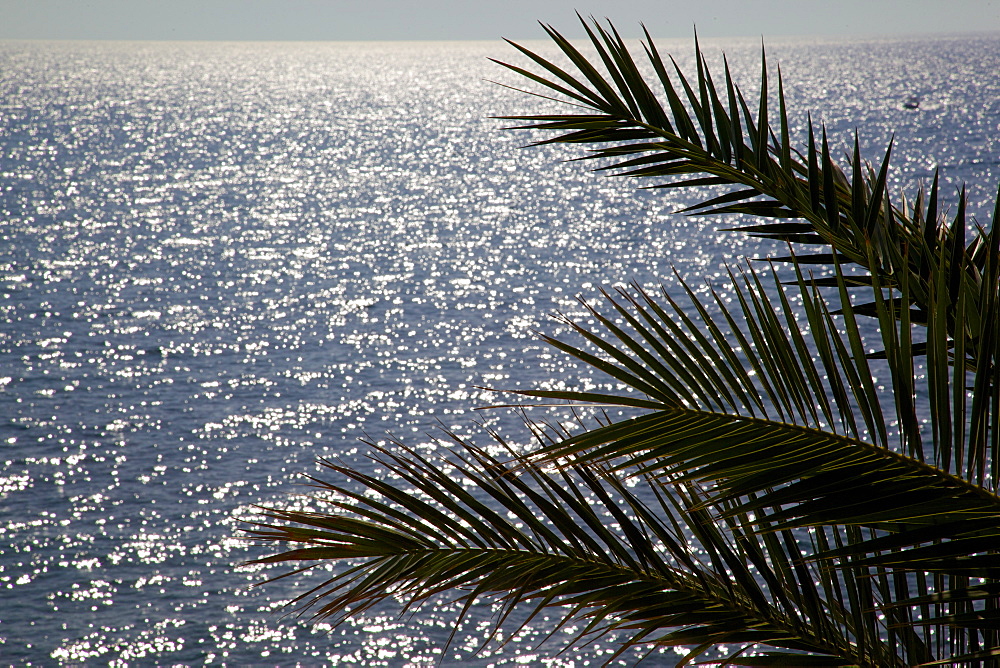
point(220, 262)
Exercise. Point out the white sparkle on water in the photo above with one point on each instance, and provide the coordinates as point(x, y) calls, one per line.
point(219, 262)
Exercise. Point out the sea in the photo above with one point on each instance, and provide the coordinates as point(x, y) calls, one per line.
point(221, 262)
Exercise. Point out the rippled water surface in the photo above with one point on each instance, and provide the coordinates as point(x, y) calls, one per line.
point(219, 262)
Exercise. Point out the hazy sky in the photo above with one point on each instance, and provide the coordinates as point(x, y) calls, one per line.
point(453, 19)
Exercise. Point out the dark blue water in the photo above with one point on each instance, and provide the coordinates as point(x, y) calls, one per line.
point(219, 262)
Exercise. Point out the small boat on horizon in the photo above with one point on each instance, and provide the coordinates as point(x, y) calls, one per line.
point(912, 102)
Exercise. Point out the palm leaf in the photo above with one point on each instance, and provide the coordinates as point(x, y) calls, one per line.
point(704, 131)
point(765, 493)
point(540, 540)
point(807, 473)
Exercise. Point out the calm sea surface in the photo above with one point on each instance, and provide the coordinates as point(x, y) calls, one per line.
point(219, 262)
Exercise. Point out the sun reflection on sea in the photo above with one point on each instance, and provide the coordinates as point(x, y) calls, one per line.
point(221, 262)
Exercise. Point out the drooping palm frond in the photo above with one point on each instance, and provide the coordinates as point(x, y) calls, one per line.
point(783, 452)
point(633, 560)
point(694, 133)
point(773, 496)
point(921, 272)
point(742, 446)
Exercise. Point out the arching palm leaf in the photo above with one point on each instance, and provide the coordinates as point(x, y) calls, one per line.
point(799, 464)
point(634, 560)
point(731, 458)
point(701, 135)
point(772, 495)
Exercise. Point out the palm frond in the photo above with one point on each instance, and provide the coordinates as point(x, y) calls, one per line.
point(767, 491)
point(645, 562)
point(702, 136)
point(791, 460)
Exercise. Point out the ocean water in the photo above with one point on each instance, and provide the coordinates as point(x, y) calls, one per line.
point(220, 262)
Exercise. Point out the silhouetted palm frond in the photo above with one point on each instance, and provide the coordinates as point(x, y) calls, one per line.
point(684, 132)
point(767, 493)
point(642, 561)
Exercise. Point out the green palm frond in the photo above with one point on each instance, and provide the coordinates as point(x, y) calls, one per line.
point(650, 566)
point(704, 135)
point(766, 492)
point(736, 459)
point(782, 453)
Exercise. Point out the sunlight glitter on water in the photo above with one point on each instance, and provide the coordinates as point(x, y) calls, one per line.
point(220, 262)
